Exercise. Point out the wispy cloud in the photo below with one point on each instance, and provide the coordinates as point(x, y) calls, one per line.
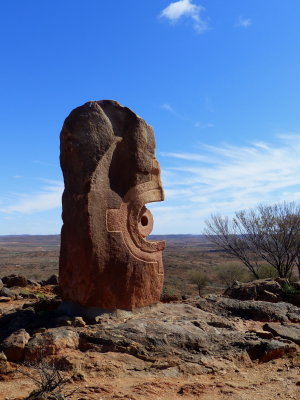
point(47, 198)
point(185, 9)
point(244, 22)
point(226, 178)
point(168, 108)
point(202, 125)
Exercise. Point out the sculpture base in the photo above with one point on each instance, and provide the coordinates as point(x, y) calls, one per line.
point(76, 310)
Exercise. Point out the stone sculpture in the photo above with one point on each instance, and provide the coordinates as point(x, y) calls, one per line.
point(110, 173)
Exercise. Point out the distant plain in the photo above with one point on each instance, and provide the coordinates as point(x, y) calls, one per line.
point(37, 257)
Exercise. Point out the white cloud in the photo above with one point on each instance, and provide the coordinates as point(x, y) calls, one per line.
point(244, 22)
point(168, 108)
point(47, 198)
point(226, 178)
point(202, 125)
point(185, 8)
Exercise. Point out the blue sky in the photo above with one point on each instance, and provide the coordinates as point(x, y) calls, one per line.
point(218, 81)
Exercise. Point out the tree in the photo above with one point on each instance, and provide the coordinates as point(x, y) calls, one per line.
point(199, 279)
point(229, 273)
point(267, 233)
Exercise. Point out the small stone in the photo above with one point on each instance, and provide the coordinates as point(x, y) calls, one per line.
point(4, 299)
point(5, 292)
point(52, 280)
point(64, 320)
point(79, 322)
point(3, 363)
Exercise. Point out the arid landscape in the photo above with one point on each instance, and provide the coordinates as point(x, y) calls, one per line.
point(36, 257)
point(189, 347)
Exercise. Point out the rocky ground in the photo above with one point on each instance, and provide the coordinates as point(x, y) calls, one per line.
point(215, 347)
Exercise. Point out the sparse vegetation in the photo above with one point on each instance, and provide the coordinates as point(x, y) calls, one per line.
point(199, 279)
point(290, 289)
point(266, 234)
point(267, 271)
point(229, 273)
point(47, 379)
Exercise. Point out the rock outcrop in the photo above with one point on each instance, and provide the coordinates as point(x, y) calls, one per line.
point(262, 289)
point(13, 347)
point(271, 290)
point(14, 280)
point(110, 172)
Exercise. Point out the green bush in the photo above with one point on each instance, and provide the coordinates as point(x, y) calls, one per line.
point(229, 273)
point(199, 279)
point(290, 289)
point(267, 271)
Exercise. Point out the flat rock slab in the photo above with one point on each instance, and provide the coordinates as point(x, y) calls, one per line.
point(260, 310)
point(179, 330)
point(290, 332)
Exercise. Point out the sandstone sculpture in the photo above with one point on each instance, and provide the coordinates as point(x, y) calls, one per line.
point(110, 173)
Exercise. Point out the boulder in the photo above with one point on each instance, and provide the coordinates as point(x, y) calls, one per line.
point(110, 173)
point(51, 342)
point(272, 349)
point(52, 280)
point(5, 292)
point(47, 304)
point(1, 284)
point(15, 280)
point(16, 320)
point(13, 346)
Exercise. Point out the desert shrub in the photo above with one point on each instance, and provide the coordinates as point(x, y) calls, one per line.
point(290, 289)
point(47, 379)
point(267, 271)
point(168, 294)
point(229, 273)
point(200, 279)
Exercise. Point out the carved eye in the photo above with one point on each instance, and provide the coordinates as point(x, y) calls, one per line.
point(144, 220)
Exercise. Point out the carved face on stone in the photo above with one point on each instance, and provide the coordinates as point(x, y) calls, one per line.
point(110, 172)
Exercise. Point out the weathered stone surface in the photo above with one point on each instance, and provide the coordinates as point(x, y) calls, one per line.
point(15, 280)
point(13, 347)
point(51, 342)
point(110, 172)
point(179, 332)
point(1, 284)
point(290, 332)
point(262, 289)
point(260, 310)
